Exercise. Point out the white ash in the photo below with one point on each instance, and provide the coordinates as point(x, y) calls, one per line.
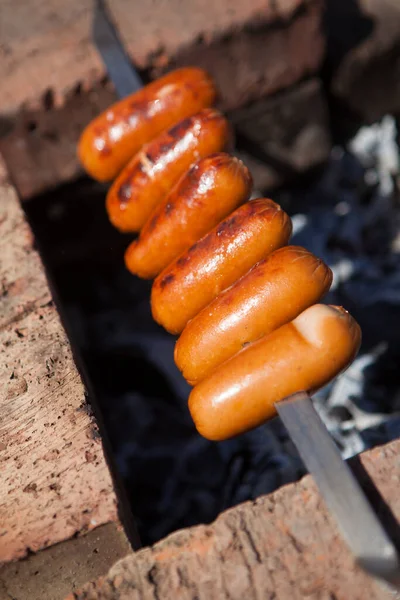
point(352, 222)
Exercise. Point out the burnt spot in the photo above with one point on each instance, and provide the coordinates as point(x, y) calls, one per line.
point(219, 158)
point(125, 192)
point(166, 280)
point(189, 184)
point(149, 158)
point(152, 223)
point(181, 262)
point(192, 176)
point(193, 248)
point(99, 131)
point(188, 188)
point(140, 106)
point(227, 226)
point(179, 130)
point(202, 244)
point(163, 147)
point(193, 88)
point(105, 151)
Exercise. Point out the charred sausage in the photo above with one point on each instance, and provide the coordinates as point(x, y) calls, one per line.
point(207, 193)
point(272, 293)
point(109, 141)
point(216, 261)
point(241, 299)
point(150, 175)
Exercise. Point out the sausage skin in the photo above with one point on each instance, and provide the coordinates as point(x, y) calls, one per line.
point(206, 194)
point(109, 141)
point(272, 293)
point(216, 261)
point(150, 175)
point(302, 355)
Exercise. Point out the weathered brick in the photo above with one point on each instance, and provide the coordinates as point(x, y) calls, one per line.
point(290, 132)
point(49, 490)
point(285, 545)
point(253, 47)
point(52, 573)
point(364, 56)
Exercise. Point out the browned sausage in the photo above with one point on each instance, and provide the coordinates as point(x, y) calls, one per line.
point(110, 140)
point(274, 292)
point(208, 192)
point(215, 262)
point(150, 175)
point(302, 355)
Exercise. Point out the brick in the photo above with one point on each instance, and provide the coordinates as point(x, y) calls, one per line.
point(252, 47)
point(40, 148)
point(290, 131)
point(49, 490)
point(285, 545)
point(365, 57)
point(52, 573)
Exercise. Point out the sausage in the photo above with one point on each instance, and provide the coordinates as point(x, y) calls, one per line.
point(149, 176)
point(109, 141)
point(272, 293)
point(207, 193)
point(242, 303)
point(302, 355)
point(216, 261)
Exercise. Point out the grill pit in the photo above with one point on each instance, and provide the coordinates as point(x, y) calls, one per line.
point(347, 214)
point(289, 97)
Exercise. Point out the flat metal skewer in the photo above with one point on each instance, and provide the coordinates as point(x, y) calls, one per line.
point(124, 76)
point(359, 525)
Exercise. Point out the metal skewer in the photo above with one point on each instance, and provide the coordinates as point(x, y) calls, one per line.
point(359, 525)
point(124, 76)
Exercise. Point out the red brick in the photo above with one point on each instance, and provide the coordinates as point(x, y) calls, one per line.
point(285, 545)
point(49, 491)
point(366, 77)
point(261, 46)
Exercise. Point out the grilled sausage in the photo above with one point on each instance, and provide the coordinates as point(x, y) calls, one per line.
point(302, 355)
point(216, 261)
point(232, 289)
point(208, 192)
point(109, 141)
point(149, 176)
point(272, 293)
